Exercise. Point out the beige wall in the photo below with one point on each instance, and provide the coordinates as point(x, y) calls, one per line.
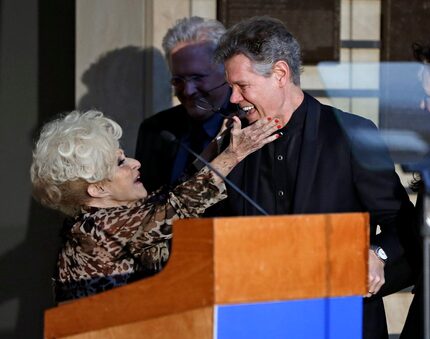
point(18, 111)
point(120, 68)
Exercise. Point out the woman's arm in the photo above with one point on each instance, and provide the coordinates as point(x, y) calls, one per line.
point(195, 195)
point(206, 187)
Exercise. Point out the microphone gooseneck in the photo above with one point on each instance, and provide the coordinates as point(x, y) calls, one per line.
point(170, 137)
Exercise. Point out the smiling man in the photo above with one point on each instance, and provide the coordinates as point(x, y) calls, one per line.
point(199, 84)
point(324, 163)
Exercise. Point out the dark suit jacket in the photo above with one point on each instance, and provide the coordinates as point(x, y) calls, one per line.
point(344, 166)
point(414, 324)
point(156, 154)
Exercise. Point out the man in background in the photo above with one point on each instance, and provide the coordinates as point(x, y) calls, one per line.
point(200, 86)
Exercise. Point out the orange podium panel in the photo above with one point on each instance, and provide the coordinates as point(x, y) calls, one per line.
point(226, 261)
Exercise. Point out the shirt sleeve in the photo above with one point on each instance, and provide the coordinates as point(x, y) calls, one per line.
point(380, 190)
point(195, 195)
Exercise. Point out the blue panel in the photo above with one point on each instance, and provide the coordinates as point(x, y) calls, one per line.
point(331, 318)
point(345, 317)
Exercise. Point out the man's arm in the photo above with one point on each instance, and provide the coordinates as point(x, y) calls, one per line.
point(392, 215)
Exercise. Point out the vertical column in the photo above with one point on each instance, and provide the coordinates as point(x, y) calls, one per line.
point(160, 16)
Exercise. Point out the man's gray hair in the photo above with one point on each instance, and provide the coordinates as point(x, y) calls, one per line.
point(264, 40)
point(193, 29)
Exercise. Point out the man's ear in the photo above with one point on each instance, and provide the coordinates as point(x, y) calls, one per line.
point(282, 73)
point(97, 190)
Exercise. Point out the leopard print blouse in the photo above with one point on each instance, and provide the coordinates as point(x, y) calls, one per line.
point(108, 247)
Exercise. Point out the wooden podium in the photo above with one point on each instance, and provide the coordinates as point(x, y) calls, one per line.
point(299, 276)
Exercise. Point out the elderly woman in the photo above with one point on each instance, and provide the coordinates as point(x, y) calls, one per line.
point(116, 229)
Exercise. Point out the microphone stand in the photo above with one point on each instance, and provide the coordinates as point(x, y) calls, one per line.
point(169, 136)
point(227, 181)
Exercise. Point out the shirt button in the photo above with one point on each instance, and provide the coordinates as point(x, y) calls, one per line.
point(280, 193)
point(280, 157)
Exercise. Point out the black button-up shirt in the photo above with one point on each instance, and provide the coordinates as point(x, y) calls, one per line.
point(278, 165)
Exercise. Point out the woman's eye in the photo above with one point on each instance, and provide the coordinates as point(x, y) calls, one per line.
point(121, 162)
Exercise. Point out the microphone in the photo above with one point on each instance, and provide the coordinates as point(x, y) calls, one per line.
point(170, 137)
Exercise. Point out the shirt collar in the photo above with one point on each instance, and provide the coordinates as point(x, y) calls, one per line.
point(297, 119)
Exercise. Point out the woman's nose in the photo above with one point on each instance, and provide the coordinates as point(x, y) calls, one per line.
point(135, 164)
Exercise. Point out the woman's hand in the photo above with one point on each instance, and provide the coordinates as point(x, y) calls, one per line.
point(247, 140)
point(243, 142)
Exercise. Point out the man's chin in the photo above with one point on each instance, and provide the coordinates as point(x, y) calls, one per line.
point(252, 116)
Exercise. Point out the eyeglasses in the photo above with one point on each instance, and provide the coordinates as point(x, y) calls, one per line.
point(180, 81)
point(203, 103)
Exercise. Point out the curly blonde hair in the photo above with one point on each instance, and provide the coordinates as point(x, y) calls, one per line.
point(73, 151)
